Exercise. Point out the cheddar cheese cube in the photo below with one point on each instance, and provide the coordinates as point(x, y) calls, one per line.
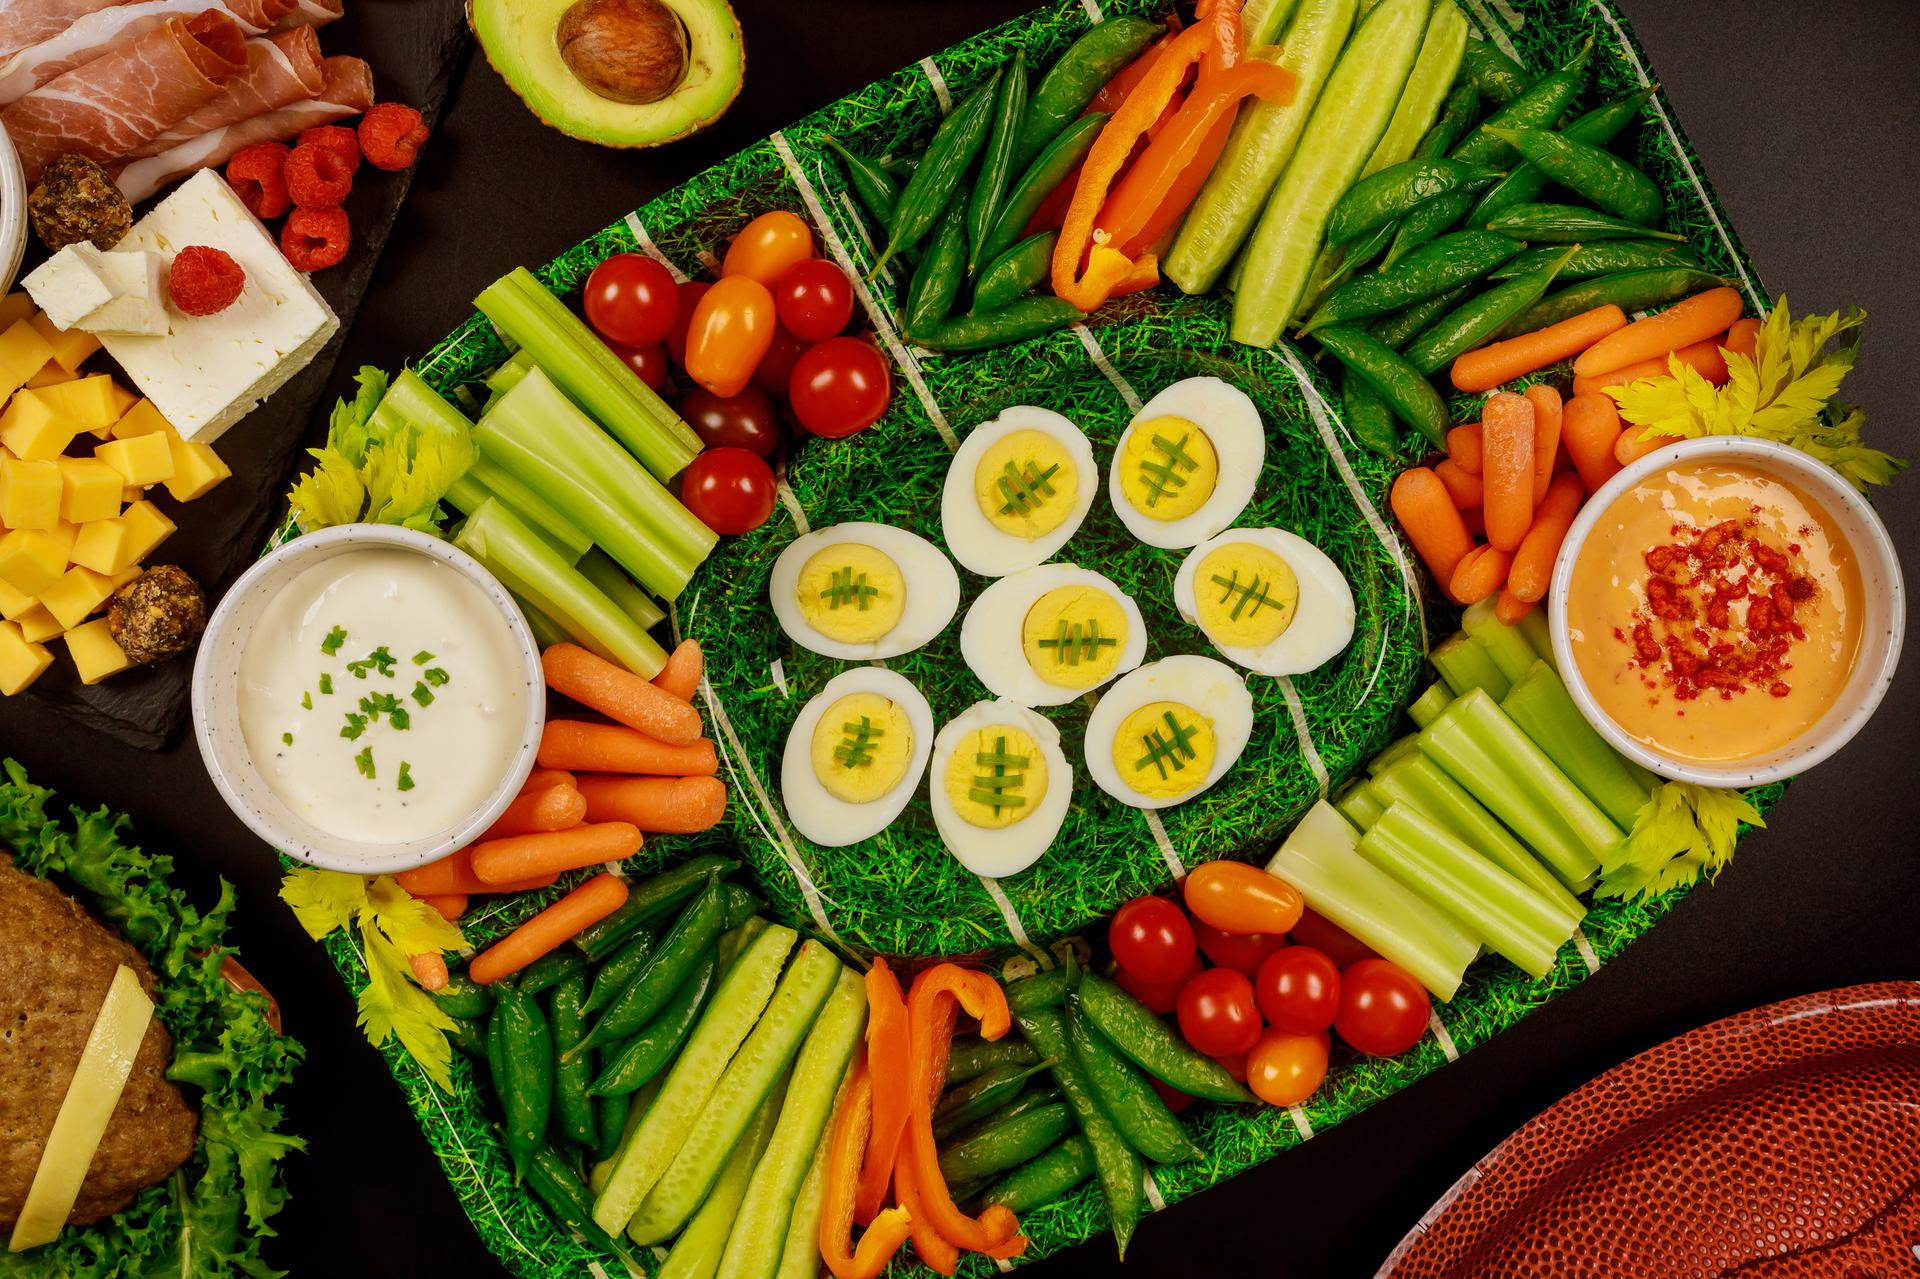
point(15, 307)
point(140, 418)
point(196, 468)
point(38, 625)
point(21, 661)
point(73, 598)
point(147, 528)
point(89, 489)
point(31, 560)
point(50, 374)
point(140, 459)
point(108, 546)
point(123, 399)
point(29, 428)
point(70, 347)
point(94, 653)
point(29, 493)
point(131, 493)
point(13, 603)
point(64, 535)
point(88, 402)
point(23, 352)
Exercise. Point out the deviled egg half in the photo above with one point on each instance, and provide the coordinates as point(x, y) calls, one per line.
point(1000, 787)
point(1186, 465)
point(1048, 634)
point(855, 755)
point(1169, 730)
point(861, 591)
point(1017, 489)
point(1270, 601)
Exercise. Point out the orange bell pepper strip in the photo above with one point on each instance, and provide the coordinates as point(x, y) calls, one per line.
point(890, 1228)
point(937, 1253)
point(890, 1068)
point(1222, 17)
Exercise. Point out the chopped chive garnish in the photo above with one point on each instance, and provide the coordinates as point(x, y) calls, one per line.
point(857, 747)
point(1176, 748)
point(1163, 478)
point(422, 694)
point(843, 587)
point(1025, 490)
point(1073, 643)
point(435, 676)
point(422, 657)
point(379, 659)
point(993, 788)
point(326, 684)
point(306, 701)
point(364, 761)
point(331, 644)
point(287, 738)
point(1252, 595)
point(404, 781)
point(356, 725)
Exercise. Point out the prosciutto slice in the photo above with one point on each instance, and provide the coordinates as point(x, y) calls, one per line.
point(347, 91)
point(28, 22)
point(105, 108)
point(282, 68)
point(97, 32)
point(311, 13)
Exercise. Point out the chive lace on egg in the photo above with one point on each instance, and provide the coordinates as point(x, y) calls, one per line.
point(1248, 597)
point(1025, 488)
point(845, 587)
point(994, 788)
point(1175, 748)
point(1163, 478)
point(1075, 642)
point(857, 747)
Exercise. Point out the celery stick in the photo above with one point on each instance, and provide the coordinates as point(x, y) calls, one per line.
point(546, 519)
point(1540, 705)
point(1505, 645)
point(1321, 858)
point(1420, 784)
point(1539, 636)
point(618, 587)
point(1361, 803)
point(410, 405)
point(1397, 750)
point(1426, 857)
point(1464, 664)
point(537, 573)
point(1426, 708)
point(523, 309)
point(546, 631)
point(510, 371)
point(696, 1253)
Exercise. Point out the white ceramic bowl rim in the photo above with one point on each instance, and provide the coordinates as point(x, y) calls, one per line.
point(1882, 628)
point(216, 720)
point(13, 212)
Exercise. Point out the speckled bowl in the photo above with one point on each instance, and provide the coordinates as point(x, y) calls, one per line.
point(1882, 626)
point(13, 212)
point(223, 746)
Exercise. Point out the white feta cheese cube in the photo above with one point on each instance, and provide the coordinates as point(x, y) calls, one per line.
point(138, 305)
point(69, 285)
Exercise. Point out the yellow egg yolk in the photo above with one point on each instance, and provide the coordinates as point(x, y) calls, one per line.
point(996, 776)
point(1072, 636)
point(1164, 749)
point(1026, 484)
point(851, 592)
point(1168, 468)
point(861, 747)
point(1246, 595)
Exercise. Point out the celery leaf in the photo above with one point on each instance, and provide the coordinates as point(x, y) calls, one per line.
point(1682, 832)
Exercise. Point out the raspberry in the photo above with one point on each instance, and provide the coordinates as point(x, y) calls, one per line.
point(317, 176)
point(337, 138)
point(314, 239)
point(203, 280)
point(391, 135)
point(257, 175)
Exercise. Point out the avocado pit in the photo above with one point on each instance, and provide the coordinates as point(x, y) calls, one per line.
point(632, 51)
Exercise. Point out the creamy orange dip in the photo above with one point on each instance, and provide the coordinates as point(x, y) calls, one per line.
point(1712, 612)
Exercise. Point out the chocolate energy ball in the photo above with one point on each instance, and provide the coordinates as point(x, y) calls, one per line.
point(157, 615)
point(76, 201)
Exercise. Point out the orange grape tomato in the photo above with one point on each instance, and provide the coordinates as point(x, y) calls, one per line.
point(1284, 1069)
point(768, 247)
point(1237, 898)
point(732, 328)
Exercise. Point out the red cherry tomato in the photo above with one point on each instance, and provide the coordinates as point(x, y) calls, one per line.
point(1237, 898)
point(1151, 939)
point(1383, 1010)
point(649, 363)
point(728, 490)
point(690, 294)
point(815, 299)
point(839, 386)
point(768, 247)
point(1217, 1013)
point(1160, 997)
point(1283, 1069)
point(731, 329)
point(776, 367)
point(631, 299)
point(1243, 952)
point(743, 421)
point(1331, 940)
point(1234, 1064)
point(1298, 990)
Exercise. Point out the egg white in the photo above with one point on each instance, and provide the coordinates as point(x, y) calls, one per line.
point(933, 590)
point(1212, 688)
point(1322, 624)
point(1010, 849)
point(990, 633)
point(824, 817)
point(1232, 423)
point(970, 536)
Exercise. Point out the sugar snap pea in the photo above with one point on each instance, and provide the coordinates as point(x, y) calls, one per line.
point(1433, 269)
point(936, 280)
point(1115, 1162)
point(971, 1058)
point(469, 1035)
point(1075, 76)
point(1434, 218)
point(665, 971)
point(1029, 1098)
point(1537, 108)
point(1404, 388)
point(546, 972)
point(1401, 327)
point(1045, 1179)
point(611, 977)
point(1568, 224)
point(1146, 1041)
point(1474, 321)
point(996, 160)
point(573, 1114)
point(1395, 190)
point(1045, 989)
point(734, 942)
point(652, 899)
point(642, 1057)
point(1499, 78)
point(1045, 172)
point(979, 1097)
point(1005, 1145)
point(1014, 322)
point(1015, 273)
point(937, 177)
point(1603, 257)
point(496, 1045)
point(1599, 175)
point(738, 905)
point(463, 997)
point(1135, 1108)
point(556, 1185)
point(612, 1112)
point(526, 1057)
point(1629, 290)
point(873, 185)
point(1368, 416)
point(1524, 183)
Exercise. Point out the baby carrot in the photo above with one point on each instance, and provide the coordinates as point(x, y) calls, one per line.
point(657, 805)
point(1463, 486)
point(1742, 337)
point(430, 970)
point(1506, 432)
point(1463, 446)
point(1481, 573)
point(681, 675)
point(450, 905)
point(555, 808)
point(1533, 563)
point(1488, 367)
point(1630, 448)
point(503, 861)
point(1590, 426)
point(1704, 358)
point(1510, 608)
point(620, 695)
point(586, 905)
point(1476, 522)
point(1546, 436)
point(1691, 320)
point(1426, 511)
point(454, 874)
point(610, 748)
point(541, 778)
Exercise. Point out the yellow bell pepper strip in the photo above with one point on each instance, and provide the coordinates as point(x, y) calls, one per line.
point(890, 1066)
point(891, 1227)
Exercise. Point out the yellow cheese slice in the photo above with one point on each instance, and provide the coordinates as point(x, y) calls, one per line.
point(91, 1096)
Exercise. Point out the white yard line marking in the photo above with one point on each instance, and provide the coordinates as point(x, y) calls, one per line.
point(1440, 1033)
point(1584, 948)
point(1155, 1200)
point(1298, 710)
point(779, 672)
point(652, 250)
point(939, 83)
point(1379, 664)
point(859, 224)
point(1495, 32)
point(1301, 1122)
point(1168, 853)
point(1093, 10)
point(1507, 14)
point(1105, 365)
point(788, 500)
point(709, 260)
point(1012, 918)
point(882, 323)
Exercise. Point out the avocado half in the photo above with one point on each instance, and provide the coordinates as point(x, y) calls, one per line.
point(622, 73)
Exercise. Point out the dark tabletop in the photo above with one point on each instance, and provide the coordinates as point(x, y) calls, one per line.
point(1809, 127)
